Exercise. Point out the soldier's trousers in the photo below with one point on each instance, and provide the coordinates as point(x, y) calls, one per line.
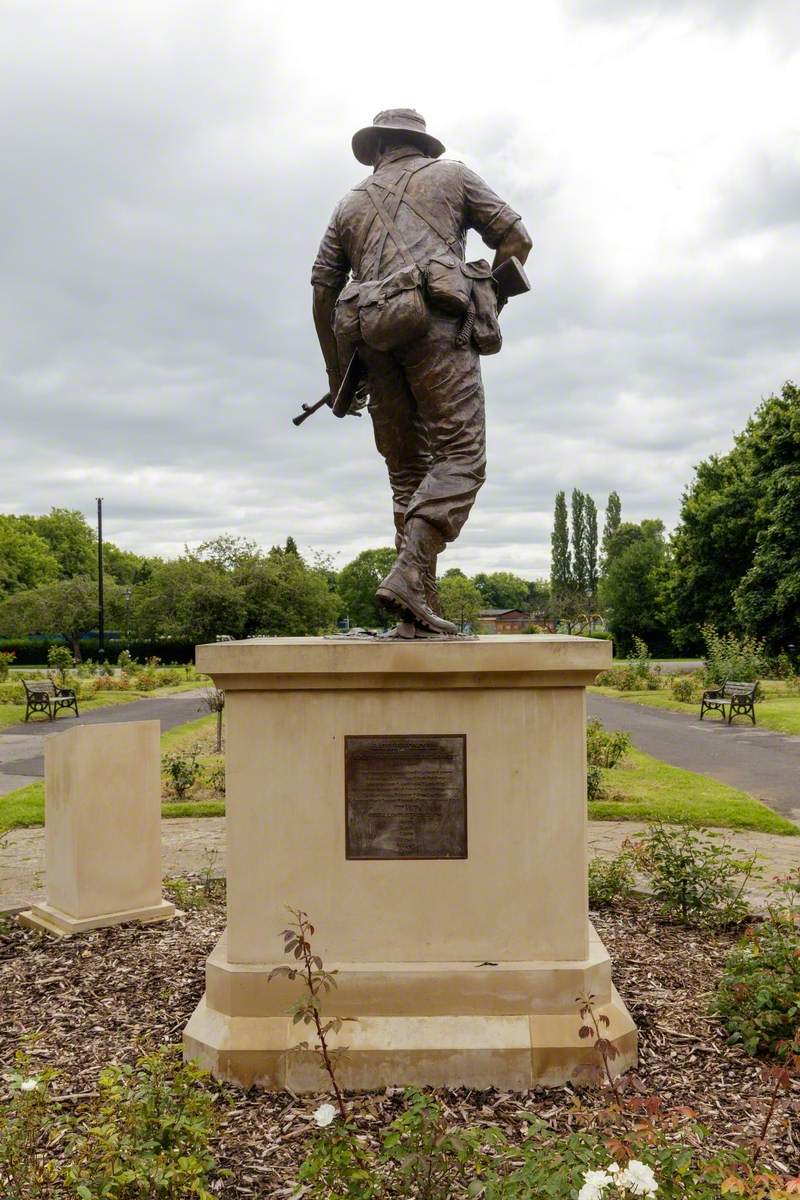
point(426, 404)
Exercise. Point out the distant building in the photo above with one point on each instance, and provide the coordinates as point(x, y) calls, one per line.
point(505, 620)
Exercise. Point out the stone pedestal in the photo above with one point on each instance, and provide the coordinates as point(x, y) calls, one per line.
point(102, 829)
point(460, 970)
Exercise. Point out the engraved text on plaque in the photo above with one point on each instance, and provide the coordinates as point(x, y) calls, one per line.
point(406, 796)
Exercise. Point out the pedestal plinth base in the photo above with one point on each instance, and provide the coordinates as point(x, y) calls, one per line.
point(510, 1026)
point(52, 920)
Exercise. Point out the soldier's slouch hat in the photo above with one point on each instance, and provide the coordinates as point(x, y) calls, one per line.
point(395, 120)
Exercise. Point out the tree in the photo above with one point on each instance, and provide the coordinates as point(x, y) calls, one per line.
point(460, 600)
point(538, 598)
point(70, 538)
point(26, 559)
point(125, 566)
point(226, 551)
point(190, 599)
point(579, 566)
point(560, 557)
point(712, 549)
point(734, 552)
point(611, 524)
point(590, 547)
point(632, 587)
point(768, 597)
point(357, 583)
point(502, 589)
point(68, 607)
point(283, 596)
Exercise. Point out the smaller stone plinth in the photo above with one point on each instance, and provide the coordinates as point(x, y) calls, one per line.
point(102, 829)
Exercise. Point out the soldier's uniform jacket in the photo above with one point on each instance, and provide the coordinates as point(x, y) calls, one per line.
point(454, 195)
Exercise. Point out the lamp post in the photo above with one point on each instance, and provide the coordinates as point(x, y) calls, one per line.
point(101, 633)
point(127, 593)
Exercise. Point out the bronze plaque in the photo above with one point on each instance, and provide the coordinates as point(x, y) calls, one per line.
point(406, 796)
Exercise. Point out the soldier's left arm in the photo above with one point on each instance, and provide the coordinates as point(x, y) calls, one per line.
point(497, 223)
point(328, 277)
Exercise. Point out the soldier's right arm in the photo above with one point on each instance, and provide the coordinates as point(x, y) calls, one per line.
point(328, 277)
point(497, 223)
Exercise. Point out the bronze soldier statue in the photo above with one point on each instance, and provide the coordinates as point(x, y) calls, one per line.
point(410, 324)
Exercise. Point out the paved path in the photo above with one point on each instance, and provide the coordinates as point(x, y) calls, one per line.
point(22, 746)
point(192, 844)
point(759, 761)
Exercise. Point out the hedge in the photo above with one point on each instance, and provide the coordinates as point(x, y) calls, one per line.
point(32, 653)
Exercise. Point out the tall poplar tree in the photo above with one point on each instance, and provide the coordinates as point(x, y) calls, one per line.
point(579, 574)
point(613, 520)
point(560, 557)
point(590, 549)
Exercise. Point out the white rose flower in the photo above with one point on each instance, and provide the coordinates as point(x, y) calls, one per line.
point(594, 1183)
point(638, 1178)
point(28, 1085)
point(612, 1168)
point(324, 1115)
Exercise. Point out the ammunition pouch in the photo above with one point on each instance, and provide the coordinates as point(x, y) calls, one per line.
point(448, 285)
point(486, 334)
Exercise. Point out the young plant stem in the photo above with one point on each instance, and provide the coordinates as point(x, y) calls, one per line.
point(308, 970)
point(600, 1045)
point(777, 1084)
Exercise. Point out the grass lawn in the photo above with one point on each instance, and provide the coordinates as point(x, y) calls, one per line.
point(778, 710)
point(24, 807)
point(642, 788)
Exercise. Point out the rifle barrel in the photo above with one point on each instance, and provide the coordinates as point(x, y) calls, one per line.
point(310, 409)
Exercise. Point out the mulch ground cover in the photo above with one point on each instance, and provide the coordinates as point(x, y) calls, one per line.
point(112, 994)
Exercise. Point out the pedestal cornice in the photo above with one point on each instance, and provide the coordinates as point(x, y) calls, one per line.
point(291, 664)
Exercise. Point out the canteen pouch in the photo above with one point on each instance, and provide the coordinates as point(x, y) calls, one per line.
point(486, 334)
point(392, 312)
point(346, 327)
point(448, 285)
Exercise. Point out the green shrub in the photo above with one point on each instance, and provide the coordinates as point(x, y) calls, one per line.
point(149, 1136)
point(170, 677)
point(215, 774)
point(60, 662)
point(624, 679)
point(686, 688)
point(105, 683)
point(698, 878)
point(146, 1135)
point(595, 788)
point(758, 998)
point(6, 659)
point(611, 881)
point(182, 771)
point(126, 662)
point(605, 749)
point(12, 693)
point(419, 1155)
point(146, 680)
point(729, 656)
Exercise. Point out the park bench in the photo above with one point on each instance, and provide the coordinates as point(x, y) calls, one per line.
point(733, 699)
point(45, 696)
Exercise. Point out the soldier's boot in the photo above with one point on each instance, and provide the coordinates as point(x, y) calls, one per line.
point(429, 582)
point(403, 589)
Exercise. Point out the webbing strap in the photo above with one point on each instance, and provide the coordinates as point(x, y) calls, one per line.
point(393, 210)
point(391, 228)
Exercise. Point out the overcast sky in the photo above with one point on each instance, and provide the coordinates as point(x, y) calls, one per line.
point(169, 168)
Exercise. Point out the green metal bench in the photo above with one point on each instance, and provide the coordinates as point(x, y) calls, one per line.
point(731, 700)
point(45, 696)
